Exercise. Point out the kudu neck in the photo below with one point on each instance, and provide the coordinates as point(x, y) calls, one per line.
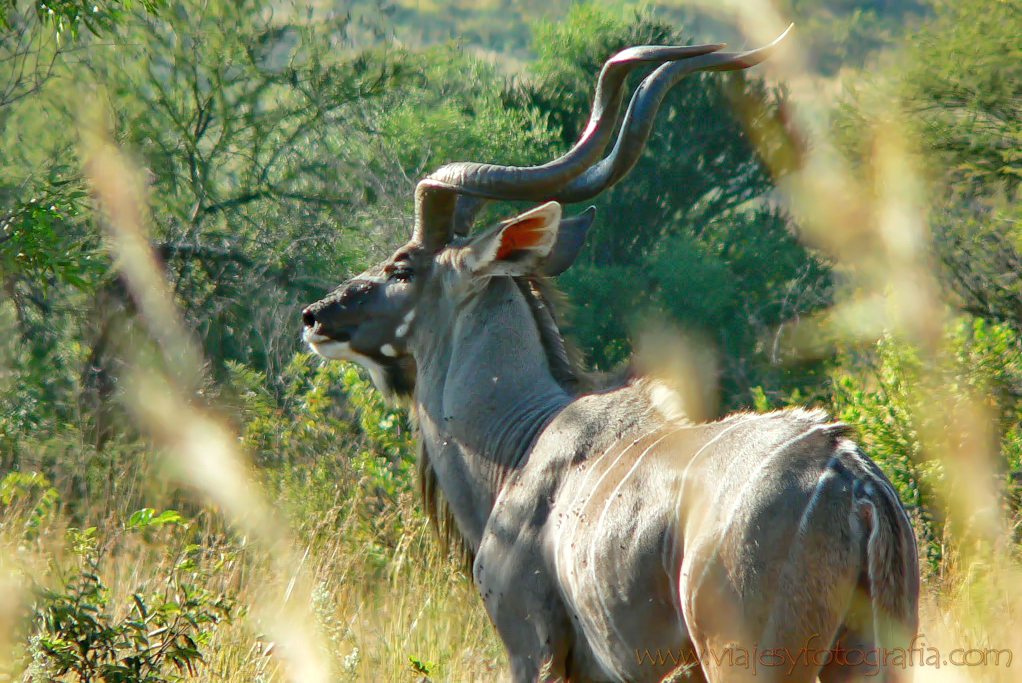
point(484, 392)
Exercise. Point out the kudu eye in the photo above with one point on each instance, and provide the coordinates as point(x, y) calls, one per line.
point(401, 273)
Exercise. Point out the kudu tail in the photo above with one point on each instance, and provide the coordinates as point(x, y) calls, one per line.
point(892, 577)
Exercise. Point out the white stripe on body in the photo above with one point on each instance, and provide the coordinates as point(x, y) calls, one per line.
point(580, 491)
point(689, 617)
point(599, 521)
point(564, 576)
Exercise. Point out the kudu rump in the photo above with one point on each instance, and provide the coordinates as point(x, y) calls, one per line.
point(612, 539)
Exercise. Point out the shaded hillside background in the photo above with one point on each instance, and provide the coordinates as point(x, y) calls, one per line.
point(185, 492)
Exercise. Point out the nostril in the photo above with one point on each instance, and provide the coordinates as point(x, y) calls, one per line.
point(308, 317)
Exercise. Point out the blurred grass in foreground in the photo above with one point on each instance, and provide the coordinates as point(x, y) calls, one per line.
point(287, 530)
point(310, 571)
point(938, 378)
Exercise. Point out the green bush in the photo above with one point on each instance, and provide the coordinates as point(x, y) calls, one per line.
point(882, 393)
point(159, 638)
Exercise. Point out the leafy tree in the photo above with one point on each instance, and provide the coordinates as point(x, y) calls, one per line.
point(849, 33)
point(283, 161)
point(50, 261)
point(38, 208)
point(691, 233)
point(962, 89)
point(35, 38)
point(69, 16)
point(955, 82)
point(254, 136)
point(254, 140)
point(877, 392)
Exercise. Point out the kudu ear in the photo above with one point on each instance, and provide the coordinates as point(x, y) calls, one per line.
point(571, 235)
point(518, 245)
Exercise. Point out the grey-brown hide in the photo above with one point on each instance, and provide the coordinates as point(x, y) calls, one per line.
point(613, 541)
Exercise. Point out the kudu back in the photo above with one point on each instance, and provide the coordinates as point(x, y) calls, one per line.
point(612, 539)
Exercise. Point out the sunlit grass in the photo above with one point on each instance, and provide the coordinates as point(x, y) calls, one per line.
point(335, 582)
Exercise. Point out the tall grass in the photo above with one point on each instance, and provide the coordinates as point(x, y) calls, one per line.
point(322, 550)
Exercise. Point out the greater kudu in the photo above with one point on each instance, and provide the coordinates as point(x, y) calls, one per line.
point(603, 525)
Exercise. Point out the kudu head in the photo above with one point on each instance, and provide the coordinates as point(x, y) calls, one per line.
point(372, 318)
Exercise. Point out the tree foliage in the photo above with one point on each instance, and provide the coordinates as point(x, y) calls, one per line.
point(691, 235)
point(876, 390)
point(955, 82)
point(962, 89)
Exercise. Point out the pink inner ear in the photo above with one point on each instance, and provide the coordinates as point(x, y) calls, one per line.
point(521, 235)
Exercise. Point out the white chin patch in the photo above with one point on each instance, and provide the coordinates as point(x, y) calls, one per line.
point(335, 350)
